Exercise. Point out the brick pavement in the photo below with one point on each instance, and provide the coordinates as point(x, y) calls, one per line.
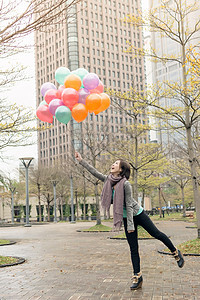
point(63, 264)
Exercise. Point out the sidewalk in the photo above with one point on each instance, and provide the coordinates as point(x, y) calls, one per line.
point(65, 264)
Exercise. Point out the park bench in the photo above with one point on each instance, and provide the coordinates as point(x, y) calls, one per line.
point(189, 214)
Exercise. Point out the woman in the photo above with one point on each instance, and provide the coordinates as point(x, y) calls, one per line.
point(117, 190)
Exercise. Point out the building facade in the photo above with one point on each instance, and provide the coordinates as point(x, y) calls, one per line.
point(92, 35)
point(169, 70)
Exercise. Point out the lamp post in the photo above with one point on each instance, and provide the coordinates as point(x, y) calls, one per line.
point(72, 200)
point(26, 161)
point(54, 195)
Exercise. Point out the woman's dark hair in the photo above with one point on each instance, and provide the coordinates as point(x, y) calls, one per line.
point(126, 169)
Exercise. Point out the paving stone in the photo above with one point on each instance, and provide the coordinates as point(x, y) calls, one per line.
point(63, 264)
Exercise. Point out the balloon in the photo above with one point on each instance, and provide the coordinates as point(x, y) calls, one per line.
point(47, 86)
point(60, 91)
point(61, 74)
point(93, 102)
point(94, 91)
point(44, 114)
point(99, 88)
point(63, 114)
point(81, 72)
point(91, 81)
point(70, 97)
point(105, 103)
point(73, 81)
point(79, 112)
point(54, 104)
point(83, 93)
point(50, 95)
point(43, 103)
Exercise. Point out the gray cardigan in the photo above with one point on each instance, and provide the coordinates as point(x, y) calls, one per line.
point(132, 206)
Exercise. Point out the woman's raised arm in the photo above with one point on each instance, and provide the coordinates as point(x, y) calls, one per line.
point(90, 168)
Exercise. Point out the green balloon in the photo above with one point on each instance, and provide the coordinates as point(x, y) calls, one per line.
point(61, 74)
point(63, 114)
point(81, 72)
point(43, 103)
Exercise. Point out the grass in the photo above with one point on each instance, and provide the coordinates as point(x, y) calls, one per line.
point(99, 228)
point(142, 233)
point(2, 242)
point(189, 247)
point(4, 260)
point(173, 216)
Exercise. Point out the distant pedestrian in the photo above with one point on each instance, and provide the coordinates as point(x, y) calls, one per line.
point(117, 190)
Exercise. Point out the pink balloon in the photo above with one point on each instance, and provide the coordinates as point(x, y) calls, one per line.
point(54, 104)
point(83, 93)
point(60, 91)
point(50, 95)
point(70, 97)
point(99, 88)
point(44, 114)
point(94, 91)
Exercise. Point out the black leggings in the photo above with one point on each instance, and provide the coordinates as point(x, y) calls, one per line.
point(132, 238)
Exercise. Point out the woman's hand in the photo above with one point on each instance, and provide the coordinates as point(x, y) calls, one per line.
point(78, 156)
point(130, 231)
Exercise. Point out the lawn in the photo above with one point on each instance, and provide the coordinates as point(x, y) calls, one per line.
point(142, 234)
point(189, 247)
point(173, 216)
point(2, 242)
point(99, 228)
point(7, 260)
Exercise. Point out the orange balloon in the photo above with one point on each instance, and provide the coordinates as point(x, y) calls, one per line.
point(93, 102)
point(79, 112)
point(73, 81)
point(105, 103)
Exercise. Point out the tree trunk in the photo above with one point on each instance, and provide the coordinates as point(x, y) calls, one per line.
point(191, 151)
point(61, 208)
point(143, 194)
point(160, 204)
point(84, 199)
point(183, 199)
point(39, 203)
point(97, 204)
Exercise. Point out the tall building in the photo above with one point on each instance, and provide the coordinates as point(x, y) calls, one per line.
point(170, 70)
point(92, 36)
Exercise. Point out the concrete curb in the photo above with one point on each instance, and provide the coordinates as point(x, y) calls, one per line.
point(185, 254)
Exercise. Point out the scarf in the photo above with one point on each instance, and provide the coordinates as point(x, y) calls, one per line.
point(118, 200)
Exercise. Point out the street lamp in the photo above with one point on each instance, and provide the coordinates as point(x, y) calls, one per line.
point(72, 199)
point(26, 162)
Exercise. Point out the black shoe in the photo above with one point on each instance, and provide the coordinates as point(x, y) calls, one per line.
point(137, 281)
point(179, 258)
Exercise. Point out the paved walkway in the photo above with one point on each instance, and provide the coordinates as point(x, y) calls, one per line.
point(65, 264)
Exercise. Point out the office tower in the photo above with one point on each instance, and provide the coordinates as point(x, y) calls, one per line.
point(92, 36)
point(170, 70)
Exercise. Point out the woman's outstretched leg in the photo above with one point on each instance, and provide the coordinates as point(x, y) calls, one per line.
point(144, 220)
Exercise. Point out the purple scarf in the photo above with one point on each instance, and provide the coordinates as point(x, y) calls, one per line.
point(118, 200)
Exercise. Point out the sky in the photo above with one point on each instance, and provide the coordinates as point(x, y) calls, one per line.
point(21, 93)
point(26, 98)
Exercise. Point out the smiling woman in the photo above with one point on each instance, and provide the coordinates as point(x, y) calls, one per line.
point(117, 190)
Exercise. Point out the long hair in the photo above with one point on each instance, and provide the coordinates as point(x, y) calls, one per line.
point(126, 169)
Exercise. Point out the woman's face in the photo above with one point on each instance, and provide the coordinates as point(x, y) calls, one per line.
point(115, 168)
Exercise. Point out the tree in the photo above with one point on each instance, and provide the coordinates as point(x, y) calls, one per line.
point(172, 21)
point(31, 15)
